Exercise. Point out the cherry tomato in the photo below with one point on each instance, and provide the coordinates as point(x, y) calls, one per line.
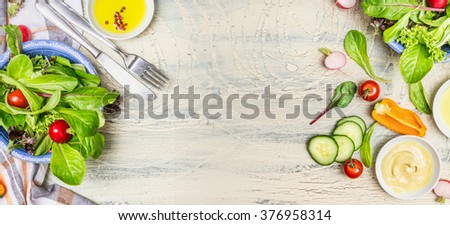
point(369, 90)
point(17, 99)
point(58, 131)
point(437, 3)
point(353, 168)
point(26, 33)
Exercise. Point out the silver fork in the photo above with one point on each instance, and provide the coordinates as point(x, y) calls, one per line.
point(134, 63)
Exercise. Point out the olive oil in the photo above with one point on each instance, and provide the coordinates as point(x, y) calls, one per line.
point(119, 16)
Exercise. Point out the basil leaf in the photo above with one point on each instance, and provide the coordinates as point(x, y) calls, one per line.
point(50, 83)
point(418, 98)
point(90, 98)
point(388, 9)
point(44, 146)
point(93, 145)
point(415, 63)
point(14, 38)
point(392, 33)
point(20, 68)
point(83, 122)
point(355, 45)
point(67, 164)
point(34, 100)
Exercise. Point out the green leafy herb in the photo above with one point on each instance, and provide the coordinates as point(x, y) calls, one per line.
point(67, 164)
point(83, 122)
point(419, 98)
point(343, 96)
point(14, 39)
point(392, 33)
point(355, 45)
point(93, 145)
point(415, 63)
point(20, 68)
point(366, 148)
point(389, 9)
point(90, 98)
point(44, 146)
point(50, 83)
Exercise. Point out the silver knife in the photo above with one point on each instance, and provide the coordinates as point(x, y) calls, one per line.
point(121, 75)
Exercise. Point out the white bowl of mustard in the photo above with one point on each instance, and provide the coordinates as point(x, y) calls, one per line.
point(119, 19)
point(441, 108)
point(408, 167)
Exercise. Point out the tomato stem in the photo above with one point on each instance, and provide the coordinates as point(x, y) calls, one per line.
point(366, 93)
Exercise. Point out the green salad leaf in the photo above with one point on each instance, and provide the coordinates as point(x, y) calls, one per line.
point(67, 164)
point(14, 38)
point(419, 98)
point(355, 45)
point(389, 9)
point(89, 97)
point(20, 68)
point(415, 63)
point(83, 122)
point(49, 83)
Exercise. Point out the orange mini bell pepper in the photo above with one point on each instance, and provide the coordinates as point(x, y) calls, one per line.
point(2, 190)
point(398, 119)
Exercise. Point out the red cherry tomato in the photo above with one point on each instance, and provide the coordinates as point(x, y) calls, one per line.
point(26, 33)
point(58, 131)
point(17, 99)
point(437, 3)
point(369, 90)
point(353, 168)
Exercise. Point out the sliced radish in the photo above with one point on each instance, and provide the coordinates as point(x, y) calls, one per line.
point(346, 4)
point(442, 190)
point(335, 60)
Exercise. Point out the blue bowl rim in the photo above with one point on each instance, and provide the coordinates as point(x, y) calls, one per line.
point(399, 48)
point(51, 45)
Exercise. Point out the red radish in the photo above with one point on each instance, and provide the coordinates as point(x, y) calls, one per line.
point(26, 33)
point(442, 190)
point(334, 60)
point(346, 4)
point(440, 4)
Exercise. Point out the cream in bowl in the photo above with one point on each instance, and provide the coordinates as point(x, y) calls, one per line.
point(119, 19)
point(441, 108)
point(407, 167)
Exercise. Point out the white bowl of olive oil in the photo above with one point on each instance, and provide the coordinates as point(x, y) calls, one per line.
point(118, 19)
point(441, 108)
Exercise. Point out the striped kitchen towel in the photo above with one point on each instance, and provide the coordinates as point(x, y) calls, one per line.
point(24, 182)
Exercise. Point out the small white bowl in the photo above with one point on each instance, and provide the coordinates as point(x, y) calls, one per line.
point(150, 9)
point(437, 112)
point(436, 167)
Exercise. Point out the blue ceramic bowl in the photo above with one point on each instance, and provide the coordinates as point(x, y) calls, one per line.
point(46, 48)
point(399, 48)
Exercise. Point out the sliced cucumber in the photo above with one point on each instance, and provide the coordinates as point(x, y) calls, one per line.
point(346, 148)
point(355, 119)
point(352, 130)
point(323, 149)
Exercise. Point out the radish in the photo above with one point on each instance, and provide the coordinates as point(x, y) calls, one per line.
point(442, 190)
point(334, 60)
point(440, 4)
point(346, 4)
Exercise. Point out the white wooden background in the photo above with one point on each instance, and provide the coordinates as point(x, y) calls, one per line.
point(241, 46)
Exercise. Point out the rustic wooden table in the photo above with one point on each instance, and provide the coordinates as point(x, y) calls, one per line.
point(228, 47)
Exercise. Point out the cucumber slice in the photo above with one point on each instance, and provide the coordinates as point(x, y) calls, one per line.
point(351, 130)
point(323, 149)
point(355, 119)
point(346, 148)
